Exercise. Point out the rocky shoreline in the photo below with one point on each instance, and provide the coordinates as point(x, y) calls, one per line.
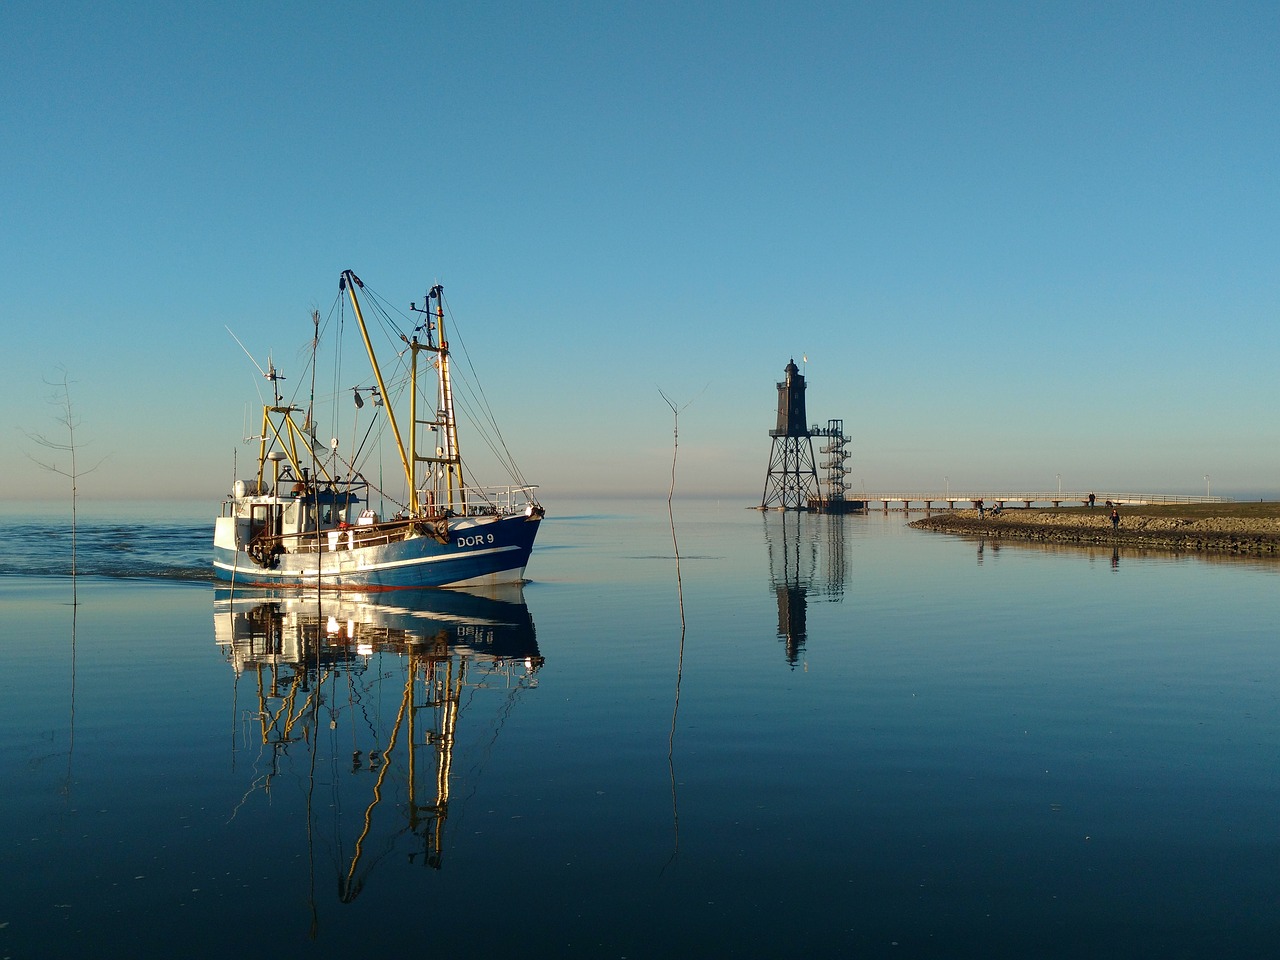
point(1251, 536)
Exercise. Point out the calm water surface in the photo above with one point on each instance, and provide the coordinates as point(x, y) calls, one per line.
point(860, 741)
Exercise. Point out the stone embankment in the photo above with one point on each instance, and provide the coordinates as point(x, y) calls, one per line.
point(1247, 536)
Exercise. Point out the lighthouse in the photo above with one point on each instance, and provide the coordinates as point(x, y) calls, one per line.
point(792, 478)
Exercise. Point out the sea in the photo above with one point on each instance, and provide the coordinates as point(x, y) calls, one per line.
point(697, 730)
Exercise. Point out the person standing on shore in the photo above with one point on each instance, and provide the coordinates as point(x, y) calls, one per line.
point(982, 510)
point(1115, 519)
point(1092, 498)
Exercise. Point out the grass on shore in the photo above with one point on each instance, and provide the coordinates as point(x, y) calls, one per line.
point(1239, 510)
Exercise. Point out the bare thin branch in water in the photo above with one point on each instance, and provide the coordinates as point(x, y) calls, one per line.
point(62, 399)
point(675, 546)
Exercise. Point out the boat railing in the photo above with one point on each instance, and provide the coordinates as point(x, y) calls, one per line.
point(341, 537)
point(354, 537)
point(501, 500)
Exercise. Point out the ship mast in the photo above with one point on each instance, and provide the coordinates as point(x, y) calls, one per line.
point(452, 457)
point(450, 495)
point(349, 281)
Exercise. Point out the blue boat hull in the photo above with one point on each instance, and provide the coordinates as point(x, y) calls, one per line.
point(480, 551)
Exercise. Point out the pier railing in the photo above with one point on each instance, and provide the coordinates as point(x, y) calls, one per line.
point(1027, 499)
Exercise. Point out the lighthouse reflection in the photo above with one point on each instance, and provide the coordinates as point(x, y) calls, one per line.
point(807, 562)
point(364, 700)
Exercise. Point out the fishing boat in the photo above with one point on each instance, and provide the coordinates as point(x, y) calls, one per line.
point(308, 518)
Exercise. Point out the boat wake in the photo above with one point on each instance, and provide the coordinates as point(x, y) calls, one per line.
point(106, 548)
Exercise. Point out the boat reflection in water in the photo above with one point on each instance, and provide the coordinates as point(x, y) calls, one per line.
point(365, 698)
point(807, 561)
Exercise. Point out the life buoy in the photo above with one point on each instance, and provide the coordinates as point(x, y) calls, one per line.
point(262, 554)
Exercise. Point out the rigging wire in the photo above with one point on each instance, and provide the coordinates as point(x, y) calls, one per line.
point(497, 444)
point(386, 332)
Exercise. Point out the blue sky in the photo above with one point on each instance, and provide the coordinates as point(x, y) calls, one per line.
point(1015, 241)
